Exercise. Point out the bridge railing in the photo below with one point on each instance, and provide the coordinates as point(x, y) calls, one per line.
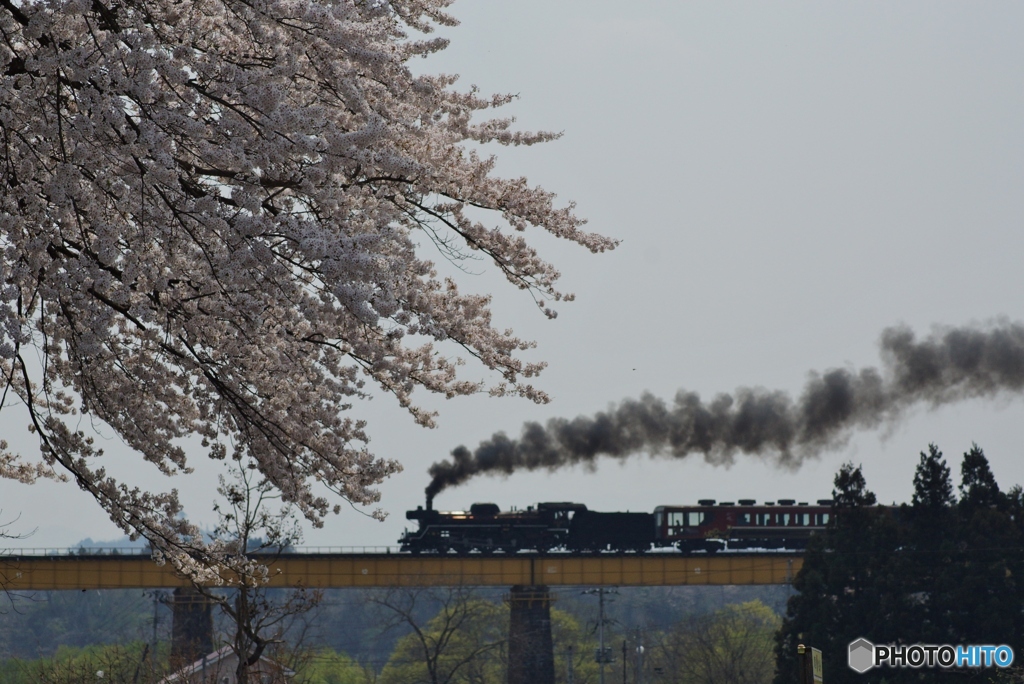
point(329, 550)
point(41, 551)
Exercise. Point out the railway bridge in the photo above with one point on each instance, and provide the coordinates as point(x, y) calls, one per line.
point(114, 569)
point(528, 575)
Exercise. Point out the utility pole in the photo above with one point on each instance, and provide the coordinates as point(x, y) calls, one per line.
point(623, 661)
point(600, 630)
point(604, 653)
point(568, 665)
point(158, 598)
point(156, 616)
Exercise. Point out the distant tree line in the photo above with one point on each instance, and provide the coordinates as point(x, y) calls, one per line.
point(941, 570)
point(717, 635)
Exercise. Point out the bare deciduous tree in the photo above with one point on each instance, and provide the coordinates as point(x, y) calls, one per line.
point(735, 645)
point(249, 535)
point(452, 631)
point(6, 534)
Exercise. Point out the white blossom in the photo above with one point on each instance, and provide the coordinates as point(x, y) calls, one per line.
point(209, 226)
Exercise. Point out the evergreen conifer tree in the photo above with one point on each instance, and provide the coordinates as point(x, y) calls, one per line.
point(978, 486)
point(924, 579)
point(837, 597)
point(937, 571)
point(933, 488)
point(984, 593)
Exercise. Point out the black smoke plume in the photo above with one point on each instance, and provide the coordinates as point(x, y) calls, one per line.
point(951, 365)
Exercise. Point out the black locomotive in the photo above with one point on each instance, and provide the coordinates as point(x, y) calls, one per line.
point(563, 526)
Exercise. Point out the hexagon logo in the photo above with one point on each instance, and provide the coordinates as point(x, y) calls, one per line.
point(862, 655)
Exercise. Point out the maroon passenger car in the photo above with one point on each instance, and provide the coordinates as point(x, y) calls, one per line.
point(782, 524)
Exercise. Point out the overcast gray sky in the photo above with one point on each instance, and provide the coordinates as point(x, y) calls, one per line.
point(787, 179)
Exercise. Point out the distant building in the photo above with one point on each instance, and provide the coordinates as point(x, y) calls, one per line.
point(219, 668)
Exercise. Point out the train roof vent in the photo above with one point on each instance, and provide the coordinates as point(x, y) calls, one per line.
point(803, 503)
point(726, 503)
point(705, 502)
point(787, 502)
point(824, 502)
point(748, 502)
point(769, 503)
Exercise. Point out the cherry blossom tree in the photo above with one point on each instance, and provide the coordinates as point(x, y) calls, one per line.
point(217, 219)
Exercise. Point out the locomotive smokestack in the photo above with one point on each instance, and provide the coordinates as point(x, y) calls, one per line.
point(951, 365)
point(430, 502)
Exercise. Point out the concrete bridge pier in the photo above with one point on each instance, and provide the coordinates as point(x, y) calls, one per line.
point(191, 626)
point(531, 658)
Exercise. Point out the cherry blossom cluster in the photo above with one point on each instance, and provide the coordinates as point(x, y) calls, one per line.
point(215, 221)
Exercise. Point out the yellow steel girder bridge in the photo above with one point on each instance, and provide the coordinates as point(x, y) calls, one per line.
point(18, 573)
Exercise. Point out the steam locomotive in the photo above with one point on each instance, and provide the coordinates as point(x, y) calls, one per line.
point(563, 526)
